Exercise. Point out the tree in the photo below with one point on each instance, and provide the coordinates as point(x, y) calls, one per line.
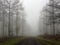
point(53, 13)
point(13, 7)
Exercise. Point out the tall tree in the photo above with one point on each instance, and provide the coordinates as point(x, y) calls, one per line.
point(53, 12)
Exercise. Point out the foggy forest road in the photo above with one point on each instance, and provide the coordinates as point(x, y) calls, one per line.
point(29, 41)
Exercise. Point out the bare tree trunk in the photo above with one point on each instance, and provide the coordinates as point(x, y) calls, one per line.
point(46, 25)
point(3, 16)
point(16, 25)
point(22, 24)
point(53, 17)
point(9, 22)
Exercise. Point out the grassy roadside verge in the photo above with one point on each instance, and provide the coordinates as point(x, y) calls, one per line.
point(12, 41)
point(48, 42)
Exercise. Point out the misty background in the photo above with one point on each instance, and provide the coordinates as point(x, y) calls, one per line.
point(29, 17)
point(33, 9)
point(25, 20)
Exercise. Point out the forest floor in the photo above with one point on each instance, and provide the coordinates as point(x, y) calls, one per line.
point(11, 41)
point(31, 41)
point(49, 41)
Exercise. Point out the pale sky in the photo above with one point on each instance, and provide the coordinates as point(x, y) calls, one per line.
point(33, 9)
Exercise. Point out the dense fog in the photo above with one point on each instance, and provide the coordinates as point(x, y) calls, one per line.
point(29, 17)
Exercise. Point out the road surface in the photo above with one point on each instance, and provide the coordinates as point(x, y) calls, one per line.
point(29, 41)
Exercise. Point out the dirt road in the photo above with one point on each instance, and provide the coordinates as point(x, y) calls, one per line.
point(29, 41)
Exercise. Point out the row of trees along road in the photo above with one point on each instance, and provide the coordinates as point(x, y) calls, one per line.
point(51, 17)
point(10, 16)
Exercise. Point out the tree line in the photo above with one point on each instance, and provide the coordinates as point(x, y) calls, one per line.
point(51, 17)
point(11, 12)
